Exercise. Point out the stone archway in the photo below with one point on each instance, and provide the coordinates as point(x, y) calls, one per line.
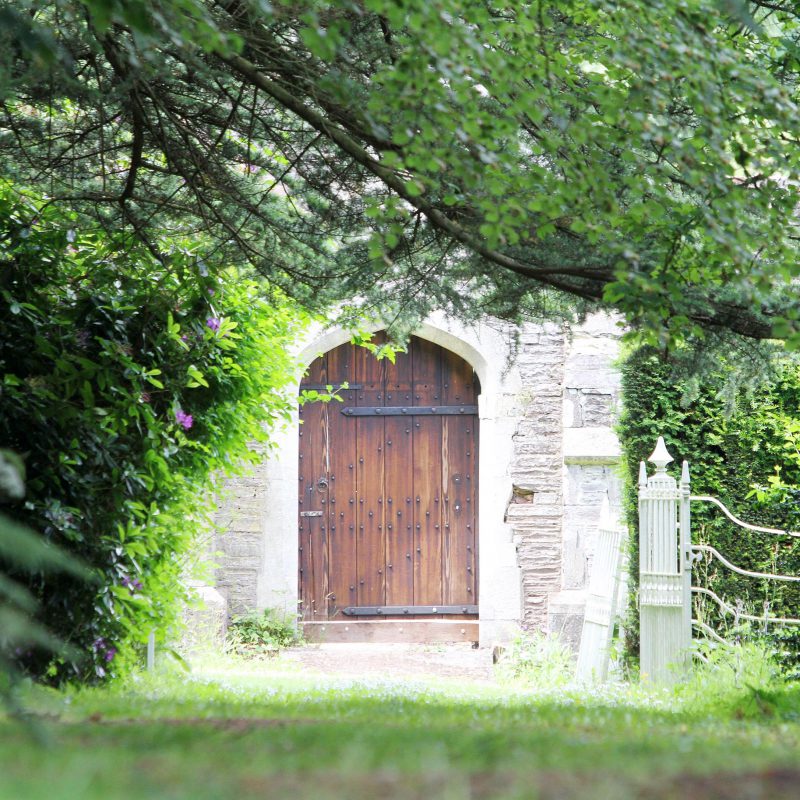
point(272, 492)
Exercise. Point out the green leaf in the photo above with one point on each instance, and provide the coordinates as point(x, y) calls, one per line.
point(27, 551)
point(414, 188)
point(17, 594)
point(196, 377)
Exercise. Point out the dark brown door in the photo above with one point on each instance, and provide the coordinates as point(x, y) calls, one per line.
point(388, 487)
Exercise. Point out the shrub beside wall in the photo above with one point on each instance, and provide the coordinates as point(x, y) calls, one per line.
point(131, 382)
point(749, 459)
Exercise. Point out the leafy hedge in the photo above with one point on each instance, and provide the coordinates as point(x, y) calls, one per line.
point(747, 456)
point(131, 382)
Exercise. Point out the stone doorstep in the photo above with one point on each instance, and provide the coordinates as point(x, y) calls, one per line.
point(393, 631)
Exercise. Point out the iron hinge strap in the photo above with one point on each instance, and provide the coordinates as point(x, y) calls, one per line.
point(379, 611)
point(407, 411)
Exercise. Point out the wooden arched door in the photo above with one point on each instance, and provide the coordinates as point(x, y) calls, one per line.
point(388, 545)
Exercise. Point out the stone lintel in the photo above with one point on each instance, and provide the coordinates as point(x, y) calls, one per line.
point(591, 446)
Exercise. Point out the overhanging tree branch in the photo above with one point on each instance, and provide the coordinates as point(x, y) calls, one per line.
point(360, 160)
point(350, 146)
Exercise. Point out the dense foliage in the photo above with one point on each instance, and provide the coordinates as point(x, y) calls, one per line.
point(130, 386)
point(741, 449)
point(514, 158)
point(25, 552)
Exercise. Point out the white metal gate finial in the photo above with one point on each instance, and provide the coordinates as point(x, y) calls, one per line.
point(660, 456)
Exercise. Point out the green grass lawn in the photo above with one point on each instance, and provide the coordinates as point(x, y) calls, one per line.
point(257, 731)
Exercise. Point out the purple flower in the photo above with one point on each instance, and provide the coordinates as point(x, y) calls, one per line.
point(131, 585)
point(213, 323)
point(182, 418)
point(107, 653)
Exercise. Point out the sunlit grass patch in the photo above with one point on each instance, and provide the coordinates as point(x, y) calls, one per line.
point(239, 729)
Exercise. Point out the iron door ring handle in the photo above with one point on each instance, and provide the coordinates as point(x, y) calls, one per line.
point(322, 483)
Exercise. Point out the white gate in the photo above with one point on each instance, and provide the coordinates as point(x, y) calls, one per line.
point(666, 555)
point(602, 600)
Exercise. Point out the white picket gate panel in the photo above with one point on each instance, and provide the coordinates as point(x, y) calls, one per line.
point(601, 602)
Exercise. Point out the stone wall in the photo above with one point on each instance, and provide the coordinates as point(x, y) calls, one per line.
point(239, 540)
point(591, 457)
point(564, 464)
point(535, 510)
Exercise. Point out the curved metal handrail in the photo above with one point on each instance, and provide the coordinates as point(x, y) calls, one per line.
point(757, 528)
point(741, 615)
point(709, 631)
point(746, 572)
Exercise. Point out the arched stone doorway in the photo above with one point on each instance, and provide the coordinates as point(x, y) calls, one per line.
point(547, 456)
point(387, 497)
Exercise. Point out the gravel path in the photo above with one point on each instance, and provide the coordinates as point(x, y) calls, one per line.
point(395, 661)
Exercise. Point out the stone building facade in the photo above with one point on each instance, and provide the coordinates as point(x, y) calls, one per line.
point(548, 457)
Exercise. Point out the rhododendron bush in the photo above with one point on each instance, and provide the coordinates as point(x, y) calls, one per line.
point(132, 379)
